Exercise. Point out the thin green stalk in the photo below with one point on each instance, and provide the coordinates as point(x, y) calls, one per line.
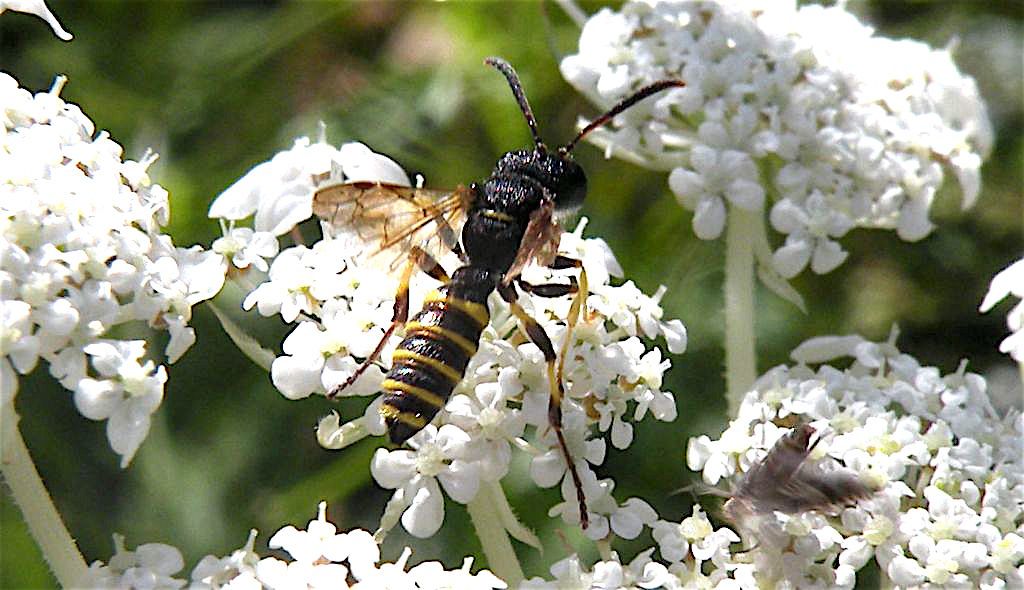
point(31, 497)
point(486, 516)
point(740, 363)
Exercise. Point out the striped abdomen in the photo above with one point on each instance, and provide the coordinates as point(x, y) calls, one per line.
point(431, 360)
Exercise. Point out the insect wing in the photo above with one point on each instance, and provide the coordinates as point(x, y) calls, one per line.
point(539, 243)
point(781, 481)
point(388, 219)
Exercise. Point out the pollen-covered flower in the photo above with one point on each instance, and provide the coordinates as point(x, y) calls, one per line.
point(800, 110)
point(931, 445)
point(83, 252)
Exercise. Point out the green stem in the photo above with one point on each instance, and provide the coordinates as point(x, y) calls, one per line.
point(501, 557)
point(31, 497)
point(740, 363)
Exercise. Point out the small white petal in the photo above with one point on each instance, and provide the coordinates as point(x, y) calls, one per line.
point(425, 514)
point(709, 218)
point(392, 469)
point(297, 377)
point(97, 399)
point(827, 256)
point(461, 480)
point(792, 258)
point(746, 194)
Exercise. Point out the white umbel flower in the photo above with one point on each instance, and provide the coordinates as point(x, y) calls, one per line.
point(438, 456)
point(840, 127)
point(318, 556)
point(949, 471)
point(82, 252)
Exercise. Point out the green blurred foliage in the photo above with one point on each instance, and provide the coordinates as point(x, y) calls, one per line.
point(216, 88)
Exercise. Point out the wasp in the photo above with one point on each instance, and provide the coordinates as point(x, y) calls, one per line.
point(507, 221)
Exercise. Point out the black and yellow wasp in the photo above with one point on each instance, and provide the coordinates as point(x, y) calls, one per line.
point(507, 221)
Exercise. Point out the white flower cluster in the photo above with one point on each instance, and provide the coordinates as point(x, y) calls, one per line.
point(1009, 281)
point(341, 309)
point(611, 381)
point(949, 512)
point(151, 566)
point(342, 304)
point(81, 252)
point(321, 558)
point(841, 128)
point(694, 555)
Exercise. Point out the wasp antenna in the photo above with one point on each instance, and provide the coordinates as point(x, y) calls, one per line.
point(621, 106)
point(517, 90)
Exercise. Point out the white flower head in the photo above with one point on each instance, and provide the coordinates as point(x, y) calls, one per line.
point(278, 192)
point(842, 127)
point(244, 247)
point(126, 393)
point(438, 456)
point(931, 444)
point(318, 556)
point(82, 251)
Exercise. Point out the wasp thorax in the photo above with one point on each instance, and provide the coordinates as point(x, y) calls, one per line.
point(556, 172)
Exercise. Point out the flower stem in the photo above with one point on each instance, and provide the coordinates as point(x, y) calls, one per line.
point(740, 363)
point(501, 557)
point(31, 497)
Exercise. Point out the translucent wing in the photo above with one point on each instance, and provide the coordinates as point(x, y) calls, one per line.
point(390, 219)
point(782, 482)
point(540, 240)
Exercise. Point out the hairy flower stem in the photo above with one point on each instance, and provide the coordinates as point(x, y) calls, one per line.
point(31, 497)
point(740, 363)
point(501, 557)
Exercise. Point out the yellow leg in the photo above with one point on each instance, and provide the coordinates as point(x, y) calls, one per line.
point(417, 258)
point(557, 391)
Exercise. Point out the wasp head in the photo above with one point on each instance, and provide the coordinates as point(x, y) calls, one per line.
point(557, 172)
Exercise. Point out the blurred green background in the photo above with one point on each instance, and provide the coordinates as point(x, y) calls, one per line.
point(216, 88)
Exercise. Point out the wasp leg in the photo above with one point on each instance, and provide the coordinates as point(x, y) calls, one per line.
point(579, 290)
point(539, 337)
point(428, 264)
point(418, 257)
point(578, 307)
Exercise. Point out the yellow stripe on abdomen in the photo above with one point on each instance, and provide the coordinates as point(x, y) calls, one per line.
point(444, 334)
point(390, 412)
point(439, 366)
point(476, 311)
point(428, 397)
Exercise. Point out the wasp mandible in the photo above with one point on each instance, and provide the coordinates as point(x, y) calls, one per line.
point(507, 221)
